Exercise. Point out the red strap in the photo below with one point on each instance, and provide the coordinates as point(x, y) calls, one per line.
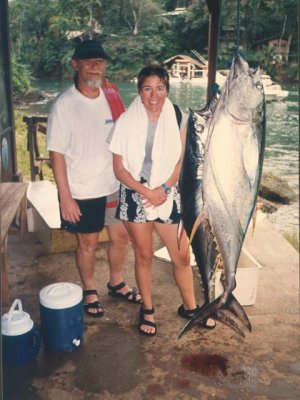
point(114, 99)
point(112, 204)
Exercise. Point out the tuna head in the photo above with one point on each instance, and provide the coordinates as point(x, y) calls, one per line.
point(245, 94)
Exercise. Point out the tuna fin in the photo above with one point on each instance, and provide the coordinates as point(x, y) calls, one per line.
point(254, 220)
point(179, 233)
point(257, 207)
point(250, 157)
point(196, 225)
point(227, 320)
point(236, 309)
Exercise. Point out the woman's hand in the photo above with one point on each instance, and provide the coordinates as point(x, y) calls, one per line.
point(155, 197)
point(151, 197)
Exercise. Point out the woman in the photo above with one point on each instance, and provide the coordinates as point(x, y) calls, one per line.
point(147, 146)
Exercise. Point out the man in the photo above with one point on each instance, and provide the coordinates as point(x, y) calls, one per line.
point(78, 125)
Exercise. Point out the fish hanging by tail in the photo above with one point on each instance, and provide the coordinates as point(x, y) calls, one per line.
point(219, 184)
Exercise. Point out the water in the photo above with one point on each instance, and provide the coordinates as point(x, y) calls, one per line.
point(282, 143)
point(282, 153)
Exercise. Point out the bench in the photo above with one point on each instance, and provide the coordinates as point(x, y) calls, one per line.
point(13, 220)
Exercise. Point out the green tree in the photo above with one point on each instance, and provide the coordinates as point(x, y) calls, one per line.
point(270, 18)
point(194, 27)
point(35, 41)
point(21, 78)
point(131, 38)
point(136, 32)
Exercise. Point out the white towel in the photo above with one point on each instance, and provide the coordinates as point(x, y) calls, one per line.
point(129, 140)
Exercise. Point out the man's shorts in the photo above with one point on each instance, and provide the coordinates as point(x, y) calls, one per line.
point(96, 213)
point(111, 207)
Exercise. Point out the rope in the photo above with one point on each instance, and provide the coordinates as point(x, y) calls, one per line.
point(238, 25)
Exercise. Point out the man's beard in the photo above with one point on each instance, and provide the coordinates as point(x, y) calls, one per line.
point(93, 84)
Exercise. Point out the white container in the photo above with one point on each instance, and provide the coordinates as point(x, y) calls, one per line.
point(16, 321)
point(246, 280)
point(60, 295)
point(20, 337)
point(246, 276)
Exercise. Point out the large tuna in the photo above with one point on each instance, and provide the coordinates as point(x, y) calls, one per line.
point(232, 167)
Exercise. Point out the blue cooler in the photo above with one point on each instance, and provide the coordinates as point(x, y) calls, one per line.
point(20, 337)
point(61, 311)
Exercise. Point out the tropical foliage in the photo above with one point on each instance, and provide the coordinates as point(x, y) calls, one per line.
point(136, 32)
point(21, 77)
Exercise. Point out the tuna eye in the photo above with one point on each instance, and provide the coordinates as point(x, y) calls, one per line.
point(259, 85)
point(199, 128)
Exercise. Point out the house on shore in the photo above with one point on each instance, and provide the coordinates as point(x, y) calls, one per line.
point(184, 67)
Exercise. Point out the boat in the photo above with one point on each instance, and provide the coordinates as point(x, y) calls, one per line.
point(273, 90)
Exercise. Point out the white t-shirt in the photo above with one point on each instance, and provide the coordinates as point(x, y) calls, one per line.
point(78, 128)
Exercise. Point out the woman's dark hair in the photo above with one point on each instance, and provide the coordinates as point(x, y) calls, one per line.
point(153, 70)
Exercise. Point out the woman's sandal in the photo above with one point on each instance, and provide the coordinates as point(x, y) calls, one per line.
point(188, 314)
point(113, 291)
point(94, 305)
point(143, 321)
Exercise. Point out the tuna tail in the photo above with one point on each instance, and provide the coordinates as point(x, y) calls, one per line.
point(227, 320)
point(236, 309)
point(204, 312)
point(216, 310)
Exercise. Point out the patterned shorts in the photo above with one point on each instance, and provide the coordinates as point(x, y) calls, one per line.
point(131, 208)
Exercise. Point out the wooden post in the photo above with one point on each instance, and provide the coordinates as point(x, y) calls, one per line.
point(214, 7)
point(33, 127)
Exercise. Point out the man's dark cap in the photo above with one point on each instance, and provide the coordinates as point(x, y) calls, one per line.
point(89, 49)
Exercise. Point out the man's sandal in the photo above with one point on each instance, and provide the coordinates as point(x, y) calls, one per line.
point(143, 321)
point(93, 305)
point(130, 296)
point(188, 314)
